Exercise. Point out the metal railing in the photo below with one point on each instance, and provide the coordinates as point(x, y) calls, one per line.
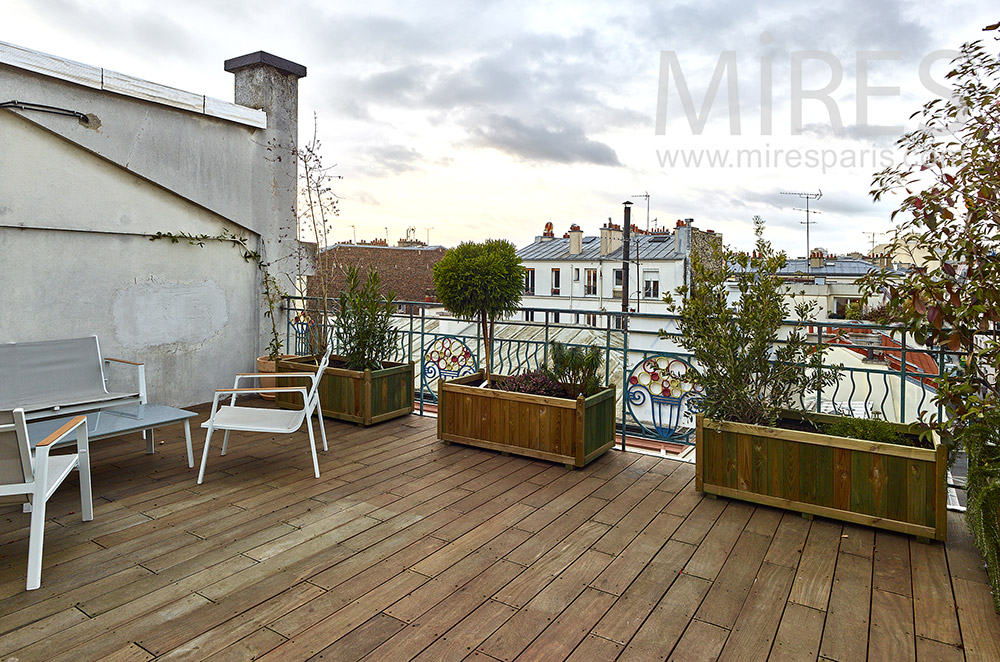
point(885, 373)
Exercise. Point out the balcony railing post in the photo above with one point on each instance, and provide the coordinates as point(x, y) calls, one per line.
point(607, 350)
point(940, 407)
point(624, 372)
point(423, 317)
point(288, 324)
point(819, 386)
point(545, 350)
point(902, 378)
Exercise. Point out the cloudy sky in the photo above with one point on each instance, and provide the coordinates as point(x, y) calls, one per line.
point(471, 120)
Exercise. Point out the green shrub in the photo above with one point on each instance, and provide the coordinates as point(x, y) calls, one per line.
point(364, 332)
point(575, 367)
point(876, 430)
point(749, 372)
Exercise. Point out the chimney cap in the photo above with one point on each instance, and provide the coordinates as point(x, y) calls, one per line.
point(262, 57)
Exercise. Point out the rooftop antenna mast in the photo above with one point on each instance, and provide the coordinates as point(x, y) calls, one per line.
point(644, 194)
point(807, 197)
point(873, 235)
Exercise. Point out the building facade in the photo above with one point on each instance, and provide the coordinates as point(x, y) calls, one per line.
point(830, 282)
point(406, 270)
point(94, 163)
point(585, 275)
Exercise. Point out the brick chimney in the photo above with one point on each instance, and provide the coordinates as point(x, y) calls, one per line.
point(575, 239)
point(816, 260)
point(682, 236)
point(611, 238)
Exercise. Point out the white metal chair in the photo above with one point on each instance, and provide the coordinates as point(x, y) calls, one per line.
point(256, 419)
point(38, 475)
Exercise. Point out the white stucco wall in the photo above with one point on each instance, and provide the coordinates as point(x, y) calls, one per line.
point(79, 201)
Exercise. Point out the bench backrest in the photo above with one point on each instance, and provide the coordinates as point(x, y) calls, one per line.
point(50, 370)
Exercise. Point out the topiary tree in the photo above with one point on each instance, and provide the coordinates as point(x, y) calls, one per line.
point(950, 187)
point(481, 283)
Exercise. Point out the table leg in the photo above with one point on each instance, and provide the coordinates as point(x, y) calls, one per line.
point(187, 438)
point(150, 446)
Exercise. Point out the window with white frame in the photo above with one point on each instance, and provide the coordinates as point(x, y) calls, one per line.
point(529, 281)
point(576, 275)
point(590, 287)
point(651, 284)
point(555, 280)
point(618, 279)
point(529, 316)
point(591, 320)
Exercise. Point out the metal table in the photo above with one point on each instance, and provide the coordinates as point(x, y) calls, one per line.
point(117, 421)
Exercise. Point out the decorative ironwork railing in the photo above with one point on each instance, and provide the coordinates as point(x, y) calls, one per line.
point(883, 373)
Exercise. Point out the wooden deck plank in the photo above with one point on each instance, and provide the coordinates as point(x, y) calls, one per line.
point(890, 638)
point(518, 632)
point(725, 600)
point(814, 577)
point(701, 642)
point(798, 635)
point(640, 598)
point(719, 541)
point(980, 624)
point(664, 627)
point(472, 631)
point(758, 621)
point(845, 637)
point(892, 563)
point(559, 639)
point(595, 648)
point(934, 612)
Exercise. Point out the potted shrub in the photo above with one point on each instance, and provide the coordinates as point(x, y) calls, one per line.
point(360, 386)
point(751, 444)
point(484, 283)
point(559, 413)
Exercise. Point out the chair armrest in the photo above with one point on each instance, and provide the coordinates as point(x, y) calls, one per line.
point(241, 375)
point(108, 358)
point(300, 389)
point(140, 375)
point(61, 433)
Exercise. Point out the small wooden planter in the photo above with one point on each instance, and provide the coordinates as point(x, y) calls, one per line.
point(366, 398)
point(572, 432)
point(882, 485)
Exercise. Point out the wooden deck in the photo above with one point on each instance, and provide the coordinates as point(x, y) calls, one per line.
point(407, 548)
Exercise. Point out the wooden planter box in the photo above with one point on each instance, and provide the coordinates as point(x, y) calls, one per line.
point(572, 432)
point(882, 485)
point(366, 398)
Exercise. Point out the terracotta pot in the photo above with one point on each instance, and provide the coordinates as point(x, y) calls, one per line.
point(266, 365)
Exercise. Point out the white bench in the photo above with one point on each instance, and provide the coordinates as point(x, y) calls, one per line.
point(59, 377)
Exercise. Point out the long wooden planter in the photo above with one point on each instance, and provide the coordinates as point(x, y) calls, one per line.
point(364, 397)
point(882, 485)
point(572, 432)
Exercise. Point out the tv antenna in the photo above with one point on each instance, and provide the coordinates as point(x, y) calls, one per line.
point(807, 197)
point(644, 194)
point(873, 235)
